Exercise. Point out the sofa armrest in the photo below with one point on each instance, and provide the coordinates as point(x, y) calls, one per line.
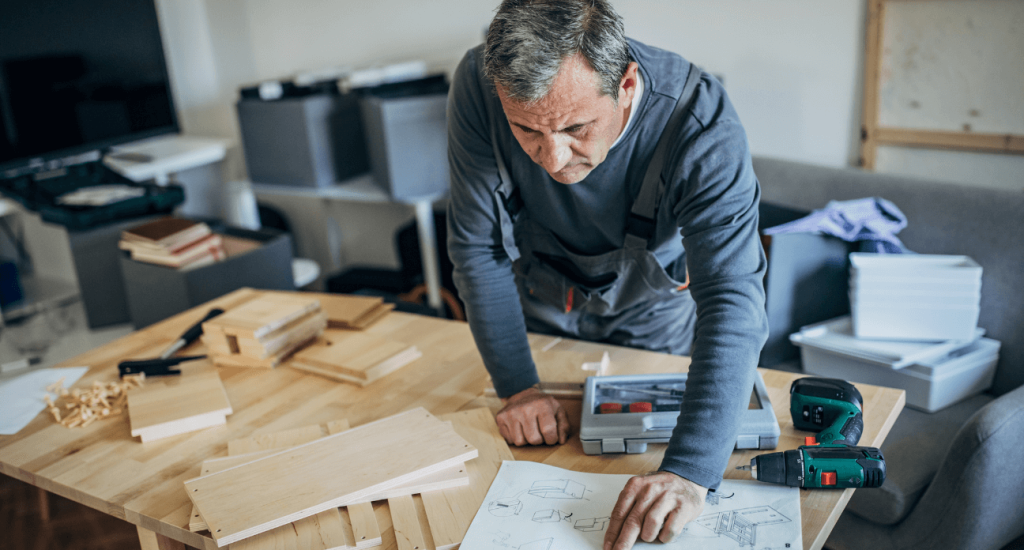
point(974, 501)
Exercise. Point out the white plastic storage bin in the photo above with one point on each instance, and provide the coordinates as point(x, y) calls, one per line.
point(950, 268)
point(914, 296)
point(931, 384)
point(904, 321)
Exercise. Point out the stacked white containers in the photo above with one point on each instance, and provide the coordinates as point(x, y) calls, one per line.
point(914, 326)
point(914, 296)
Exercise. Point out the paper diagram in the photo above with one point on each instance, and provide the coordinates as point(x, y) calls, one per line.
point(504, 507)
point(532, 506)
point(715, 498)
point(501, 541)
point(741, 525)
point(559, 488)
point(550, 516)
point(591, 524)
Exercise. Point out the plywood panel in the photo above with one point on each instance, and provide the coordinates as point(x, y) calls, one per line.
point(365, 530)
point(263, 315)
point(451, 511)
point(172, 405)
point(282, 488)
point(406, 523)
point(356, 354)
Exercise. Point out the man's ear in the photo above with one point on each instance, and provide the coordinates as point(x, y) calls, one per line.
point(627, 86)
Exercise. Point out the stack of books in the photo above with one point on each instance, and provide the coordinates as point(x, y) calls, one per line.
point(173, 242)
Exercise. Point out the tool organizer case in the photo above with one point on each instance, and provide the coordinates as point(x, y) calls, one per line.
point(628, 432)
point(40, 195)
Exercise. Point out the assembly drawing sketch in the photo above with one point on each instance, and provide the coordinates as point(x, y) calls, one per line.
point(542, 544)
point(591, 524)
point(551, 516)
point(505, 507)
point(558, 488)
point(714, 498)
point(741, 525)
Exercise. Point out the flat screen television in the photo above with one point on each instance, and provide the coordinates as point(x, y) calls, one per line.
point(79, 75)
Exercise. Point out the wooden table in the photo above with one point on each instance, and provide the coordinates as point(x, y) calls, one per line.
point(102, 466)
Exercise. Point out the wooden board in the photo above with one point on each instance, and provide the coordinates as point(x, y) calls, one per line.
point(253, 498)
point(284, 337)
point(452, 510)
point(237, 360)
point(343, 309)
point(262, 315)
point(367, 319)
point(365, 531)
point(357, 355)
point(254, 447)
point(408, 534)
point(172, 405)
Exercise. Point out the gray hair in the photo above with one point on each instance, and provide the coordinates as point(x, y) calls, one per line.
point(528, 40)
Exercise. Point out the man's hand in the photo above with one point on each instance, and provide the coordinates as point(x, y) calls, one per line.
point(533, 417)
point(653, 507)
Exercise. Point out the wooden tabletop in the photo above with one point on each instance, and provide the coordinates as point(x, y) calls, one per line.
point(102, 466)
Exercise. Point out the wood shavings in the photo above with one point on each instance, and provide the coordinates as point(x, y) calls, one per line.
point(82, 407)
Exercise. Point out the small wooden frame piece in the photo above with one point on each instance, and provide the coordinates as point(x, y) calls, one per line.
point(874, 135)
point(176, 405)
point(353, 312)
point(263, 331)
point(354, 357)
point(329, 472)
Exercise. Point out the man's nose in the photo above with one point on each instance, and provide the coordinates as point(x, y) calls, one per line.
point(553, 152)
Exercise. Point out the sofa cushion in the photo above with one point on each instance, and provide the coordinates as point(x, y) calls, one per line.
point(913, 451)
point(943, 218)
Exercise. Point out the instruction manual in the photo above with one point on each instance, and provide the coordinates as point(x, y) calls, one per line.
point(533, 506)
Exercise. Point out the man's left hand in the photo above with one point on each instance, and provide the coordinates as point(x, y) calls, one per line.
point(653, 507)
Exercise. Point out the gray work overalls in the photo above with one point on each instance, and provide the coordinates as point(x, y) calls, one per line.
point(623, 297)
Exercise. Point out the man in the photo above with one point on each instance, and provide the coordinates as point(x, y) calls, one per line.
point(567, 217)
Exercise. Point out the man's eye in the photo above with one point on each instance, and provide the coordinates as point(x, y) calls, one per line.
point(574, 129)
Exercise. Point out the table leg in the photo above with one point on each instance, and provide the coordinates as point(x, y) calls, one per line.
point(153, 541)
point(428, 251)
point(44, 504)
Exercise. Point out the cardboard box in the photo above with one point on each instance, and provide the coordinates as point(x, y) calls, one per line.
point(156, 292)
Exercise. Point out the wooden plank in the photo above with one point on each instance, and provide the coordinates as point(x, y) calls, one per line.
point(256, 497)
point(406, 523)
point(236, 360)
point(346, 309)
point(263, 315)
point(365, 531)
point(356, 354)
point(178, 404)
point(369, 318)
point(394, 363)
point(872, 68)
point(284, 337)
point(275, 440)
point(965, 141)
point(153, 541)
point(452, 510)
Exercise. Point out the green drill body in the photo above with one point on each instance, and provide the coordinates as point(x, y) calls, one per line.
point(832, 408)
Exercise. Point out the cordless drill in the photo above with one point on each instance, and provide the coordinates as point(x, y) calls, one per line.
point(831, 459)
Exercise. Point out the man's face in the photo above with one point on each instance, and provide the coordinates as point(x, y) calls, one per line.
point(570, 131)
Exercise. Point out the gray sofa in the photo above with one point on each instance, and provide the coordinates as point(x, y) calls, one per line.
point(955, 478)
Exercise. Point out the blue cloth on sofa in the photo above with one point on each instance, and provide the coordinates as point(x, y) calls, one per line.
point(873, 221)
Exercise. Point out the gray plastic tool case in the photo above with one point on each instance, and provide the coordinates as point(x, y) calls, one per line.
point(631, 432)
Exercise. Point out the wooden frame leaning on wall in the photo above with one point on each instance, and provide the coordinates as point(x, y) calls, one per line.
point(873, 134)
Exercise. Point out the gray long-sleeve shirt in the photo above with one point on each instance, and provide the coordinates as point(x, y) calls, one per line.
point(707, 216)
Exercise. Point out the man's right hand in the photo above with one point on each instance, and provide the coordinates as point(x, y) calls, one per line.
point(533, 417)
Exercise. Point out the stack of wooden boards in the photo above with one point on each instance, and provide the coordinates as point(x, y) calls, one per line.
point(297, 492)
point(173, 405)
point(264, 330)
point(353, 312)
point(173, 242)
point(354, 357)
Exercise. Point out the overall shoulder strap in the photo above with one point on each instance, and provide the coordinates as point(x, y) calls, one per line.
point(640, 225)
